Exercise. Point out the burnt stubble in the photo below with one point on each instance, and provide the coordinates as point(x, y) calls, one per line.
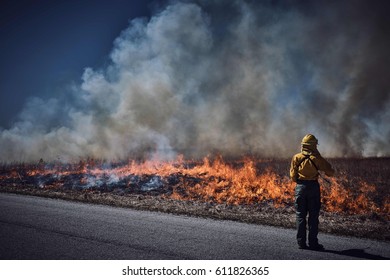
point(355, 202)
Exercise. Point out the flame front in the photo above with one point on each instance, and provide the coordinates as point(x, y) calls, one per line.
point(240, 182)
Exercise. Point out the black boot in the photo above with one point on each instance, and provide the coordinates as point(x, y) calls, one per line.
point(302, 246)
point(316, 247)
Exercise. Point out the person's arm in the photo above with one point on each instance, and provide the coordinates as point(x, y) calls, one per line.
point(293, 170)
point(325, 166)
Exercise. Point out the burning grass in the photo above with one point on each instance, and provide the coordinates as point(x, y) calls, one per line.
point(356, 202)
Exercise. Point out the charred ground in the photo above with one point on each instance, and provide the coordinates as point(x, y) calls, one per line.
point(355, 203)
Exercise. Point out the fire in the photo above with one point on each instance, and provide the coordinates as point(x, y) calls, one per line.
point(223, 183)
point(242, 182)
point(338, 198)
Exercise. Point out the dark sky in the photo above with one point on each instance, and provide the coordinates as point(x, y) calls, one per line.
point(229, 77)
point(46, 44)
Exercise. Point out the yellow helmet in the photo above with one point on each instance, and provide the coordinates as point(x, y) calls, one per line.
point(309, 139)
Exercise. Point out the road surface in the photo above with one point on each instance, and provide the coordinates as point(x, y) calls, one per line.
point(42, 228)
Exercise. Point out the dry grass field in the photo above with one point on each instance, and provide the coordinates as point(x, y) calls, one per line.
point(354, 202)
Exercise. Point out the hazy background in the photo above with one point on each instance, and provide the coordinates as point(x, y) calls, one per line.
point(119, 79)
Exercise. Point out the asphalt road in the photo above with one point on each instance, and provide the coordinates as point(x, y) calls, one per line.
point(42, 228)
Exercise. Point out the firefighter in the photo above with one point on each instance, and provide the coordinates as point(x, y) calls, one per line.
point(304, 171)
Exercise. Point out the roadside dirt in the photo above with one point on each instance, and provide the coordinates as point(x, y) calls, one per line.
point(365, 226)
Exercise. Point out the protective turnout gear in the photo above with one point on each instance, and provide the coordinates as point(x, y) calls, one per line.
point(304, 170)
point(309, 139)
point(307, 201)
point(306, 164)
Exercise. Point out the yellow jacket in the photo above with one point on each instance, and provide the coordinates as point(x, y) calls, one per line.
point(306, 164)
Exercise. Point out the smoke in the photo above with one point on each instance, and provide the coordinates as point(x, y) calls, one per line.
point(226, 77)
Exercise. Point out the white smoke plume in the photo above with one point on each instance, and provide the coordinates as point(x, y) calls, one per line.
point(227, 77)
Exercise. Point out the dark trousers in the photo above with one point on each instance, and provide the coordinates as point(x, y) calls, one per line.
point(307, 201)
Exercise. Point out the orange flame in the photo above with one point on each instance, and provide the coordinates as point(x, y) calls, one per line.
point(237, 183)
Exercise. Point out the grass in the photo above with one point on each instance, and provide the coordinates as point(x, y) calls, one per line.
point(258, 191)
